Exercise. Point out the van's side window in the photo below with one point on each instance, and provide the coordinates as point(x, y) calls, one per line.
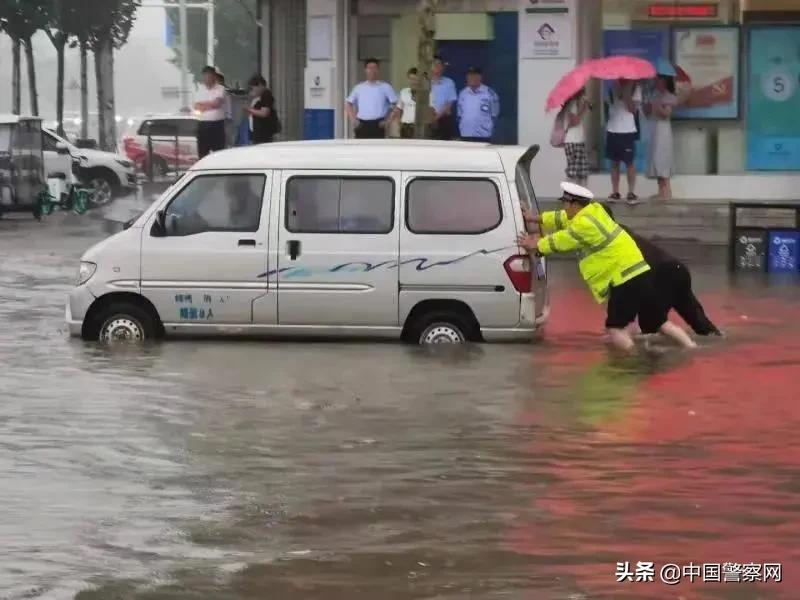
point(339, 205)
point(216, 203)
point(452, 206)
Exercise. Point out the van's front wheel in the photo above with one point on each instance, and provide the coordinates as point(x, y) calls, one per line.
point(440, 328)
point(125, 323)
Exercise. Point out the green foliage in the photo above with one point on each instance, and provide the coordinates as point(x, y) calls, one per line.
point(20, 19)
point(235, 31)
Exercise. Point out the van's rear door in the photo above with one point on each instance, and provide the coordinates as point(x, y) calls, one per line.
point(527, 198)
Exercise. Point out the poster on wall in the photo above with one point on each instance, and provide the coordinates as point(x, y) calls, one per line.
point(773, 109)
point(649, 44)
point(546, 29)
point(707, 65)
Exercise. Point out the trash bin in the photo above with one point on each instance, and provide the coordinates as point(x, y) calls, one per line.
point(749, 248)
point(784, 247)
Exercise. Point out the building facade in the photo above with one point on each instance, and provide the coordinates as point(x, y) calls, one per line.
point(736, 135)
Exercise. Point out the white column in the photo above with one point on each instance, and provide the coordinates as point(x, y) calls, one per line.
point(325, 57)
point(211, 44)
point(537, 76)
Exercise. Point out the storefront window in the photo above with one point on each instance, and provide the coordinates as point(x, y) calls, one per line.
point(700, 46)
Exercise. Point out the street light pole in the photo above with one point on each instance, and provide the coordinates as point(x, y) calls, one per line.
point(211, 50)
point(184, 21)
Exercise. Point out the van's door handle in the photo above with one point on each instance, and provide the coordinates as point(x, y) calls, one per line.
point(293, 249)
point(247, 243)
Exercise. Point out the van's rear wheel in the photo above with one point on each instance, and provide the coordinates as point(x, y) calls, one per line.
point(441, 328)
point(125, 323)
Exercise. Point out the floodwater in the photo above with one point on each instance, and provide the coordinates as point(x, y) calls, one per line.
point(363, 471)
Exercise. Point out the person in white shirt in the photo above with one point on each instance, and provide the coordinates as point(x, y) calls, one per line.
point(621, 135)
point(210, 103)
point(406, 108)
point(575, 137)
point(371, 102)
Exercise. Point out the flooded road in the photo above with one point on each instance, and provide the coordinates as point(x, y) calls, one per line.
point(253, 470)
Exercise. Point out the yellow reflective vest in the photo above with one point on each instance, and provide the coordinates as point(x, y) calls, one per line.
point(607, 255)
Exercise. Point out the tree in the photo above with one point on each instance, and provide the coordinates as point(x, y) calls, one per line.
point(235, 53)
point(109, 30)
point(20, 19)
point(425, 51)
point(64, 20)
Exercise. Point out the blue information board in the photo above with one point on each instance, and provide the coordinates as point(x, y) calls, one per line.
point(773, 99)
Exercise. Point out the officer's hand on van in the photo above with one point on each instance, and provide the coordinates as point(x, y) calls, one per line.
point(528, 241)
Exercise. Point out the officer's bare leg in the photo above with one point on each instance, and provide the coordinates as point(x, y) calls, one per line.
point(677, 334)
point(621, 339)
point(615, 177)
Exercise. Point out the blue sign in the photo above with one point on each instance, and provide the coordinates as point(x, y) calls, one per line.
point(773, 103)
point(649, 44)
point(783, 251)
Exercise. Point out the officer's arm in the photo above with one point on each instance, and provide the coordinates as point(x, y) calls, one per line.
point(495, 105)
point(554, 220)
point(560, 241)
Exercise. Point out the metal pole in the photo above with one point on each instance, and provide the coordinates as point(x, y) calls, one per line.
point(184, 54)
point(211, 50)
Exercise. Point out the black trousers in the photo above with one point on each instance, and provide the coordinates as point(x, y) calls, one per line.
point(674, 285)
point(370, 130)
point(443, 129)
point(210, 137)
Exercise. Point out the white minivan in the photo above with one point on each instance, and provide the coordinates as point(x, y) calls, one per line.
point(411, 240)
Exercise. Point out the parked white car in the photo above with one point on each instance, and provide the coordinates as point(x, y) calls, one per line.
point(173, 139)
point(106, 173)
point(408, 240)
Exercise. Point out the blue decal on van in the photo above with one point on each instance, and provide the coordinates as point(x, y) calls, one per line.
point(420, 264)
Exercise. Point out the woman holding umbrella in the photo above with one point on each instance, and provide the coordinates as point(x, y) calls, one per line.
point(659, 110)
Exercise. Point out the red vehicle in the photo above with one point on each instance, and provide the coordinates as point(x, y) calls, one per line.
point(173, 139)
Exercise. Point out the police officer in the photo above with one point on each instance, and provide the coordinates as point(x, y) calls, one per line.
point(370, 103)
point(443, 98)
point(478, 108)
point(673, 283)
point(611, 264)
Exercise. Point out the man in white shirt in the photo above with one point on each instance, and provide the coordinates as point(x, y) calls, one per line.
point(210, 103)
point(370, 103)
point(621, 135)
point(406, 108)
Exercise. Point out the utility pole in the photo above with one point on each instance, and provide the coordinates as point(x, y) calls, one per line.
point(425, 52)
point(184, 23)
point(211, 50)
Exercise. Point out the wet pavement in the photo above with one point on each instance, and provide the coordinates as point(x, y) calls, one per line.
point(252, 470)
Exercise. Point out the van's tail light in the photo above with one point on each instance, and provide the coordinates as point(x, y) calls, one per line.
point(518, 269)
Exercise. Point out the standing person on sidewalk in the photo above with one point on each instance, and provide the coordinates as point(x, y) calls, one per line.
point(210, 104)
point(478, 109)
point(263, 117)
point(573, 114)
point(621, 135)
point(443, 99)
point(660, 155)
point(406, 108)
point(370, 103)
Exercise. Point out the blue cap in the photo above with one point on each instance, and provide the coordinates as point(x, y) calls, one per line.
point(664, 67)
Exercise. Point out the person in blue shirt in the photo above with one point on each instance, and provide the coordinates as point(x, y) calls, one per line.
point(370, 103)
point(443, 99)
point(478, 109)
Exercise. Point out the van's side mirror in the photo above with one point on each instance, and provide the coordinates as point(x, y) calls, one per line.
point(62, 148)
point(159, 228)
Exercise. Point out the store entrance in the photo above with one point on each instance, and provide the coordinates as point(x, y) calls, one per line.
point(498, 60)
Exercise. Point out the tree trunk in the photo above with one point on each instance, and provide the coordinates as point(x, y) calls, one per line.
point(60, 44)
point(106, 106)
point(425, 52)
point(84, 91)
point(34, 94)
point(16, 88)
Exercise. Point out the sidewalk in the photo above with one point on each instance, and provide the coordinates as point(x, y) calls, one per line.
point(699, 221)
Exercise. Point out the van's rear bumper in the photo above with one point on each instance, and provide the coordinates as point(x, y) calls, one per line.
point(527, 330)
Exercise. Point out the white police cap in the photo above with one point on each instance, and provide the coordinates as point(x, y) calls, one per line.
point(573, 189)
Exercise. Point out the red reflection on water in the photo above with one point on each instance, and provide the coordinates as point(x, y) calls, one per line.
point(698, 464)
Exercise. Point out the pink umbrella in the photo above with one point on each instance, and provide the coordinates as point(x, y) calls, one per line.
point(612, 67)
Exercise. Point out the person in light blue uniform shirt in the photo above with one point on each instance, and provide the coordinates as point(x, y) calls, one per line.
point(370, 103)
point(443, 98)
point(478, 109)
